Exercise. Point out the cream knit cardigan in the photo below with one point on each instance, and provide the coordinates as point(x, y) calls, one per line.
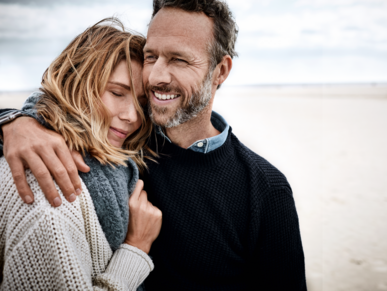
point(64, 248)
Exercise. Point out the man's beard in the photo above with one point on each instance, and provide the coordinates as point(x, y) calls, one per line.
point(198, 101)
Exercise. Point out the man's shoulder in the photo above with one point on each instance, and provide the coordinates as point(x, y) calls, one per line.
point(261, 170)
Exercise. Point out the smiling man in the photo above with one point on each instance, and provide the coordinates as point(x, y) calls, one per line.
point(177, 72)
point(229, 218)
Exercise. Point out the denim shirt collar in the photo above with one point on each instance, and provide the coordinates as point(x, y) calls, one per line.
point(208, 144)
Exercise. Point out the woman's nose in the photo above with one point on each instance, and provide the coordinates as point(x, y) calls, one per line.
point(129, 113)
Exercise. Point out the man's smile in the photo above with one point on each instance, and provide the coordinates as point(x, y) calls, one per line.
point(162, 96)
point(165, 96)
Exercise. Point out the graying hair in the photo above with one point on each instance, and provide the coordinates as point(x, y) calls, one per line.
point(225, 28)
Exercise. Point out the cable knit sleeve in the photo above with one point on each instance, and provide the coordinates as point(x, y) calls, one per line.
point(64, 248)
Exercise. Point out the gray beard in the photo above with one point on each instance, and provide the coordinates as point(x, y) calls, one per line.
point(198, 101)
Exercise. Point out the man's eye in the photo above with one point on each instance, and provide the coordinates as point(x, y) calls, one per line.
point(150, 58)
point(180, 60)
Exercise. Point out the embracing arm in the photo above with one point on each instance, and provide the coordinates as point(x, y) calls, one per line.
point(278, 259)
point(28, 144)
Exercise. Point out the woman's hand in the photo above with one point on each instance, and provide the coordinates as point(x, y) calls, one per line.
point(144, 220)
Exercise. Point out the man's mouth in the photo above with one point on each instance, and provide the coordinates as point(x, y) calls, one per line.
point(165, 96)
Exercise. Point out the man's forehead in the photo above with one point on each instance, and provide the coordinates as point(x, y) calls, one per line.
point(177, 23)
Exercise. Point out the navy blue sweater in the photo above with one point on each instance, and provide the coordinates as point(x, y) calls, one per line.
point(229, 221)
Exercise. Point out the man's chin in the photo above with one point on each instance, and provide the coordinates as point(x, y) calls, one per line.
point(159, 122)
point(160, 116)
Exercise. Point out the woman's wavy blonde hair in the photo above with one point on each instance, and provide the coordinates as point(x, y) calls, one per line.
point(72, 84)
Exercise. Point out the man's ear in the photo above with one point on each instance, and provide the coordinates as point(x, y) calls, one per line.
point(222, 70)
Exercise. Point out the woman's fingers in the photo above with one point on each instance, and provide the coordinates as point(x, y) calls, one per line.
point(137, 191)
point(143, 199)
point(144, 220)
point(157, 220)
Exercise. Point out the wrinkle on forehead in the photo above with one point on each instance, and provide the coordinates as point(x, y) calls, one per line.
point(187, 26)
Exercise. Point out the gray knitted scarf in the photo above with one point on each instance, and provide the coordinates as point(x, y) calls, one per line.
point(110, 190)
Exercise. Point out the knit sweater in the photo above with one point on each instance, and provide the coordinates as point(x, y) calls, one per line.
point(229, 221)
point(64, 248)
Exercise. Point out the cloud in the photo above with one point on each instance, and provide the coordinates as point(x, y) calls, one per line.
point(56, 3)
point(64, 21)
point(325, 3)
point(279, 41)
point(346, 27)
point(31, 36)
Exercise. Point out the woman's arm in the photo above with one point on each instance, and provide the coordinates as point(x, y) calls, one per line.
point(60, 248)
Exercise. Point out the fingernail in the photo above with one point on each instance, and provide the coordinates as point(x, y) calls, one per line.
point(28, 199)
point(78, 191)
point(57, 202)
point(72, 198)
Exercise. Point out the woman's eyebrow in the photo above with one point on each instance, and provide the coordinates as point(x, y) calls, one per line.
point(120, 84)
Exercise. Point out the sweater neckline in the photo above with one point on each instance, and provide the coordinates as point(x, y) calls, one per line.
point(168, 150)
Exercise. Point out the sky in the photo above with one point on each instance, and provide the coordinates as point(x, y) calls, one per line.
point(279, 42)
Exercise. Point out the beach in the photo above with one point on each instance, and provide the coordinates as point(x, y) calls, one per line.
point(331, 144)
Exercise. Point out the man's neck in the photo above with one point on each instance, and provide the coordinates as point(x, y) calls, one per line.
point(195, 129)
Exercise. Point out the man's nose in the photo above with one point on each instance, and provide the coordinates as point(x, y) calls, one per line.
point(160, 74)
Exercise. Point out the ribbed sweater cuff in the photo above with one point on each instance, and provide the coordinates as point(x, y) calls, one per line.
point(130, 264)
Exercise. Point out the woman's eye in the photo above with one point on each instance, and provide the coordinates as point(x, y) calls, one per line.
point(116, 94)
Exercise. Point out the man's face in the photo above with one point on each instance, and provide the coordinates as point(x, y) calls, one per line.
point(176, 66)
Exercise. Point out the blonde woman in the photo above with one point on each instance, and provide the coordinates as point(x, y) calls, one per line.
point(92, 95)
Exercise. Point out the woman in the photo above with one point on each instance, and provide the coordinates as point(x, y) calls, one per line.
point(91, 94)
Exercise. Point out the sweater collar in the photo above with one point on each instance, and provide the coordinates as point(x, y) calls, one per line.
point(208, 144)
point(168, 150)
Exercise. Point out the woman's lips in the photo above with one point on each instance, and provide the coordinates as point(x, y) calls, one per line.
point(119, 132)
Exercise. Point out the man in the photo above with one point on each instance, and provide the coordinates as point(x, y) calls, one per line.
point(229, 219)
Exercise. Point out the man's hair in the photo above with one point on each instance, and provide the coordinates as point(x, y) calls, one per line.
point(225, 29)
point(73, 84)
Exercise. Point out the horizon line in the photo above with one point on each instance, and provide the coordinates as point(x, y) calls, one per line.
point(262, 85)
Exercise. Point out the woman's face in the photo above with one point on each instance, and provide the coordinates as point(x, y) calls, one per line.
point(119, 100)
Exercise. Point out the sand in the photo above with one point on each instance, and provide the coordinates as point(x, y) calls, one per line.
point(331, 143)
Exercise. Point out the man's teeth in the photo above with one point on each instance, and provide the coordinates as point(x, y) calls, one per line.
point(165, 96)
